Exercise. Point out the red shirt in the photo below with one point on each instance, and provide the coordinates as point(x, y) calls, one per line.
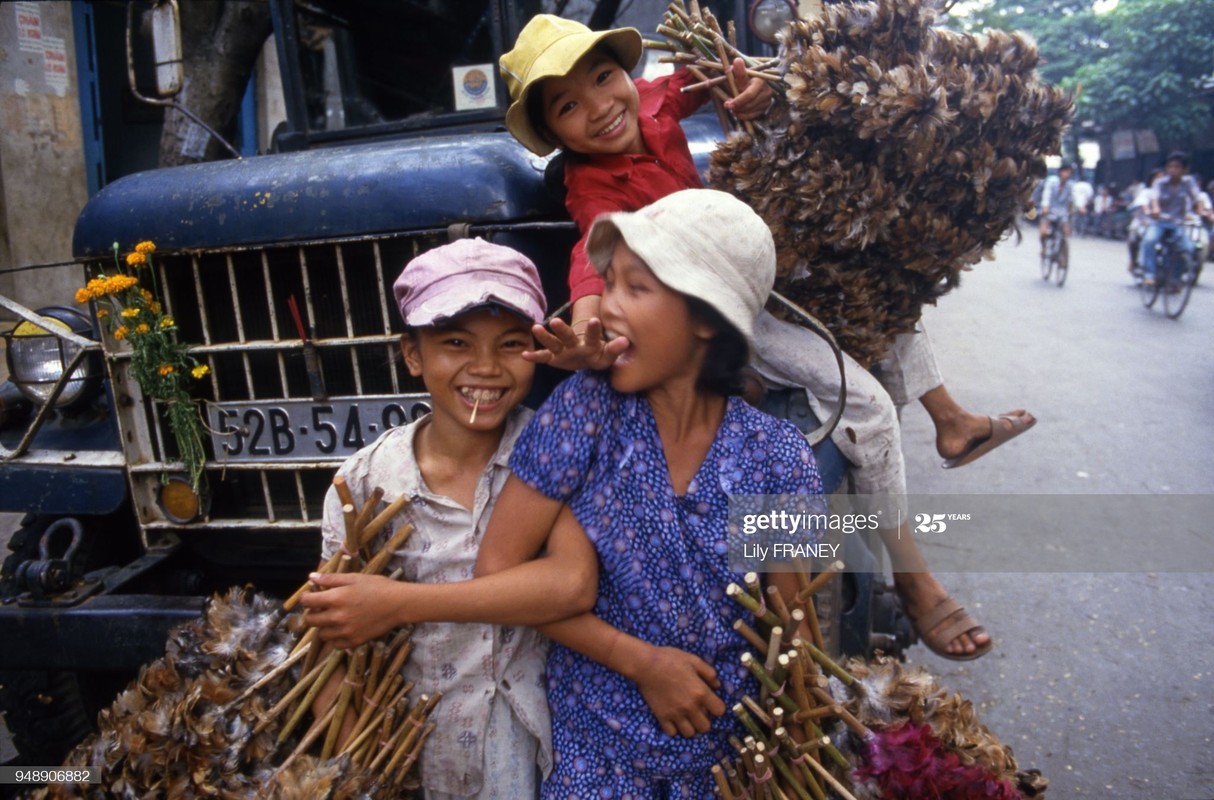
point(601, 184)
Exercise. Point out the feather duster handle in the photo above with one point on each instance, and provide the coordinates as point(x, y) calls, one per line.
point(864, 731)
point(900, 154)
point(227, 711)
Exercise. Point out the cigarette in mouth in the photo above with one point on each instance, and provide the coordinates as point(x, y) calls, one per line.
point(475, 406)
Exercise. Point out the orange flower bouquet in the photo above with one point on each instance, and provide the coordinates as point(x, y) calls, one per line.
point(131, 312)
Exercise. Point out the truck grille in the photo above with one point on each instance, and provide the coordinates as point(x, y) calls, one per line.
point(234, 307)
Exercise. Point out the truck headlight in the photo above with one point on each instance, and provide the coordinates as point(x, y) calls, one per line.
point(37, 358)
point(767, 17)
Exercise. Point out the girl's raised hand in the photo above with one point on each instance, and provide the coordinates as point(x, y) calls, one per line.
point(754, 98)
point(563, 346)
point(680, 690)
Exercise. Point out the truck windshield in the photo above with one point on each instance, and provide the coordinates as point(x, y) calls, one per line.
point(376, 62)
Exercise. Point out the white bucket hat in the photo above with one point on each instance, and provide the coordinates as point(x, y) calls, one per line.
point(701, 243)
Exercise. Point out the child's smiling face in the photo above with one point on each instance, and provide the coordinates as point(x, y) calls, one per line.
point(473, 362)
point(593, 109)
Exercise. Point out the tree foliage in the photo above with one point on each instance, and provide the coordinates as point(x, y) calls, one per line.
point(1144, 63)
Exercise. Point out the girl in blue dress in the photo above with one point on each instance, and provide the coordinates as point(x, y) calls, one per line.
point(646, 455)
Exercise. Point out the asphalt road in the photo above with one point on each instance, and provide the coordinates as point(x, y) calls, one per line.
point(1104, 681)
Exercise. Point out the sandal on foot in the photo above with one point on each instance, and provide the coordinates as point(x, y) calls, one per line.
point(946, 622)
point(1000, 433)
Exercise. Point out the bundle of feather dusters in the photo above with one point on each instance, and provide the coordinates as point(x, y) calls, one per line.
point(897, 154)
point(231, 708)
point(867, 730)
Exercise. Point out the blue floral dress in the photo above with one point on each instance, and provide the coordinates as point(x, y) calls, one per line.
point(663, 572)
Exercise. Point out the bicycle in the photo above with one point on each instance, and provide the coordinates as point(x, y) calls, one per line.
point(1055, 256)
point(1176, 272)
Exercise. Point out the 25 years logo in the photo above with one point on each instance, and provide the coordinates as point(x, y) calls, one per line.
point(936, 523)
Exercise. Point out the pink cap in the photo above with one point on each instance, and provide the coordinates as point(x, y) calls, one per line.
point(445, 282)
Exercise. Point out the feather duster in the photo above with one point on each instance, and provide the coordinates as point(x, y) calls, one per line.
point(221, 713)
point(899, 156)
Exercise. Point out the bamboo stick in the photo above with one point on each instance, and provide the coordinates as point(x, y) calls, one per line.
point(776, 601)
point(366, 513)
point(830, 779)
point(306, 742)
point(330, 665)
point(822, 578)
point(298, 689)
point(380, 559)
point(354, 673)
point(761, 613)
point(372, 528)
point(718, 777)
point(834, 669)
point(857, 727)
point(748, 633)
point(271, 676)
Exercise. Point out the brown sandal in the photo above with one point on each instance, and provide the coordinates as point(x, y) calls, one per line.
point(946, 622)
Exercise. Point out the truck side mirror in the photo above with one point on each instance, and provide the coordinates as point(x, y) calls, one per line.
point(166, 47)
point(163, 27)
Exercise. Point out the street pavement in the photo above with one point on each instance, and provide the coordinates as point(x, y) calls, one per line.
point(1104, 681)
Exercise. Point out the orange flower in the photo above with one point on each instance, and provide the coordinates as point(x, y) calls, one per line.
point(83, 295)
point(120, 332)
point(102, 313)
point(142, 328)
point(167, 369)
point(118, 283)
point(136, 259)
point(130, 312)
point(145, 248)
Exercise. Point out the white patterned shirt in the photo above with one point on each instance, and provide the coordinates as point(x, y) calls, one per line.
point(474, 665)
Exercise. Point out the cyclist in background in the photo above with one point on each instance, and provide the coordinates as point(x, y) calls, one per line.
point(1056, 203)
point(1173, 196)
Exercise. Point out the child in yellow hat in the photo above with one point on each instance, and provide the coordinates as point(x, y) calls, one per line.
point(570, 88)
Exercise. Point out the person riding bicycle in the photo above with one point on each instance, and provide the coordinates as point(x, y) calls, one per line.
point(1174, 195)
point(1056, 202)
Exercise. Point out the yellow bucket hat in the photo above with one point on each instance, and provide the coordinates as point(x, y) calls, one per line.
point(548, 47)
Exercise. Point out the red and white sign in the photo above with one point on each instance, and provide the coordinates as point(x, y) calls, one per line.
point(54, 64)
point(29, 26)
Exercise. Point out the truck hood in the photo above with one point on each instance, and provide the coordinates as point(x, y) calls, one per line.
point(354, 190)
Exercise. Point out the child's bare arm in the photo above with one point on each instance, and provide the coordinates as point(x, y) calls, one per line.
point(521, 521)
point(562, 582)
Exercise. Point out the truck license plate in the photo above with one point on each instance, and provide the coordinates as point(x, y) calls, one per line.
point(306, 430)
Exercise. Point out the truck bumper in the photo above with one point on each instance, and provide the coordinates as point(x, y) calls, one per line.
point(108, 633)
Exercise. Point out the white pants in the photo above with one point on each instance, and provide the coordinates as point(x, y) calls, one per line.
point(909, 370)
point(867, 434)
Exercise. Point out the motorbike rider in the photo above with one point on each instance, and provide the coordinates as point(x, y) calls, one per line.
point(1174, 195)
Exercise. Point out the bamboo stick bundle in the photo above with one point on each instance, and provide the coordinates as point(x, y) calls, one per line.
point(821, 729)
point(232, 708)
